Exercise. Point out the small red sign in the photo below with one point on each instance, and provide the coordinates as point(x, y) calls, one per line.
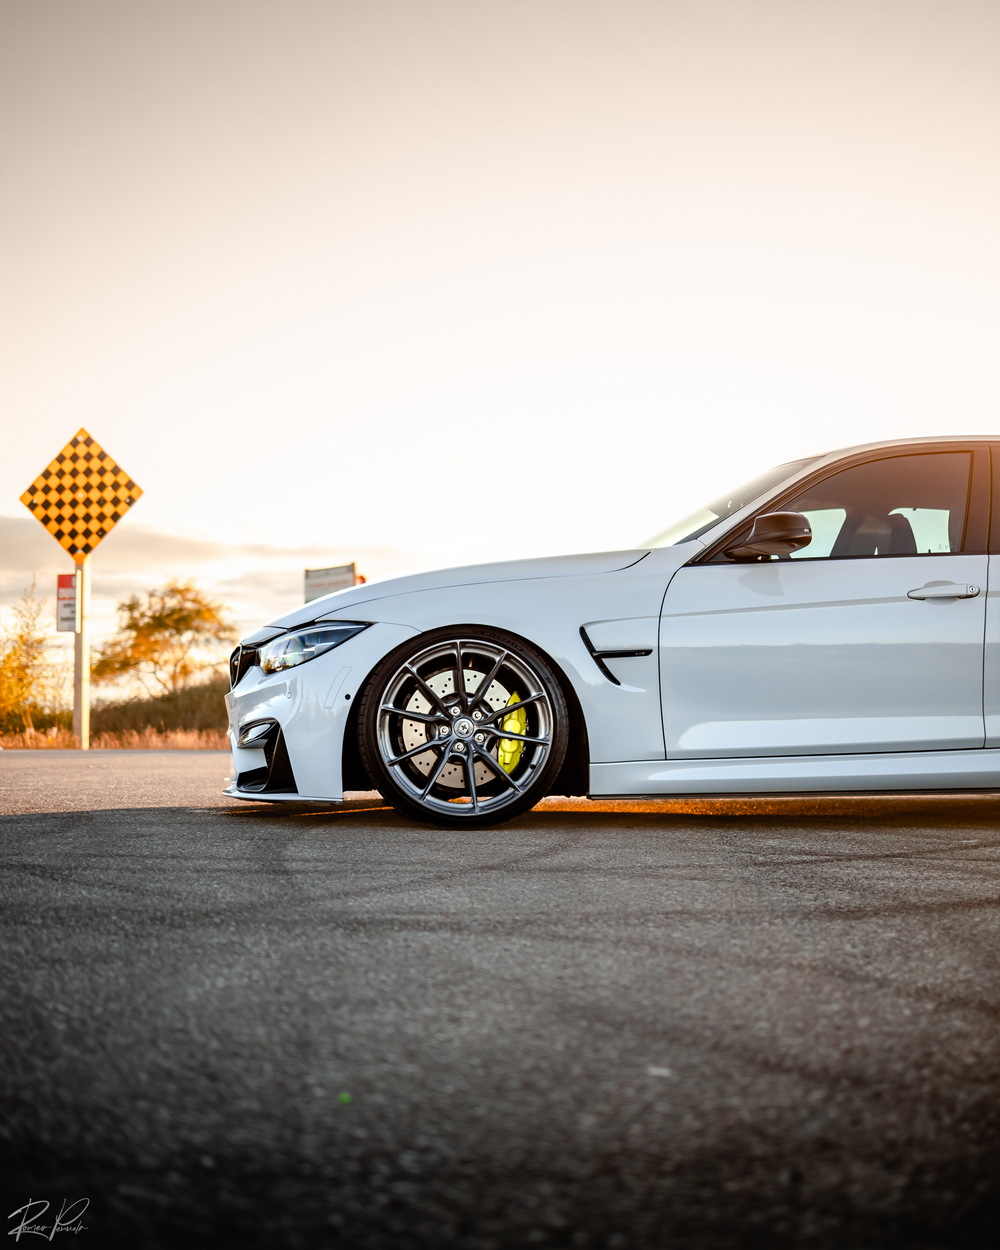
point(66, 602)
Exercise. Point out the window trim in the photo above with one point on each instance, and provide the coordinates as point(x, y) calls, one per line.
point(977, 503)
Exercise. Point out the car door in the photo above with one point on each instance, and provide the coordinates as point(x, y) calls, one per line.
point(869, 639)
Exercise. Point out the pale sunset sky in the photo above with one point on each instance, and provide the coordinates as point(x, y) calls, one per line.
point(329, 278)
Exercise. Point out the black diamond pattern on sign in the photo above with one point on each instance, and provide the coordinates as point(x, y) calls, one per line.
point(85, 490)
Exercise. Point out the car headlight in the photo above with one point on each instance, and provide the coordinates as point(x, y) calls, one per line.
point(305, 644)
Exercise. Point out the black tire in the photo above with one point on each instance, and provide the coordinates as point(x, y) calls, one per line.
point(491, 748)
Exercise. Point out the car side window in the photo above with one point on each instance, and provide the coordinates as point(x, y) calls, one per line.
point(910, 504)
point(895, 506)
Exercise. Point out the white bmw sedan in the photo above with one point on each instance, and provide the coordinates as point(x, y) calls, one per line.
point(831, 626)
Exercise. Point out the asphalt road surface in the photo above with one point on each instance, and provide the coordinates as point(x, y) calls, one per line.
point(643, 1025)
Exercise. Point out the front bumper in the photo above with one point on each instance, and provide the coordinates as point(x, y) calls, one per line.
point(310, 706)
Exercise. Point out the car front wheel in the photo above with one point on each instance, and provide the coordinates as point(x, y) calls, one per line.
point(463, 726)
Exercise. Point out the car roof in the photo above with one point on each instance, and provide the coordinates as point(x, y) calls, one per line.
point(929, 439)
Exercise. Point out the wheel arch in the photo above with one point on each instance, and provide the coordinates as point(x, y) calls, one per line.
point(574, 776)
point(572, 779)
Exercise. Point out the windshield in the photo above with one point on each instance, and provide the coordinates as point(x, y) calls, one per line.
point(697, 523)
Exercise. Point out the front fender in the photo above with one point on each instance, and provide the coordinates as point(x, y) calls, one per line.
point(623, 721)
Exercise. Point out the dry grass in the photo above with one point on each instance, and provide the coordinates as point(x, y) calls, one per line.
point(129, 740)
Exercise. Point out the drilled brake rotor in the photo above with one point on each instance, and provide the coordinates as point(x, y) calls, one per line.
point(414, 732)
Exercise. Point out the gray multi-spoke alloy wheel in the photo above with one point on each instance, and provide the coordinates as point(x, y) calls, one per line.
point(463, 726)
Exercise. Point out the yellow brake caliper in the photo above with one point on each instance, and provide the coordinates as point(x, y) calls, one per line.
point(509, 750)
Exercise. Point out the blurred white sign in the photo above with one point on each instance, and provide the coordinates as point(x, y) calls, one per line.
point(325, 581)
point(66, 602)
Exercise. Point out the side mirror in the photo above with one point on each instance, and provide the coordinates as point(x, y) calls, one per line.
point(774, 534)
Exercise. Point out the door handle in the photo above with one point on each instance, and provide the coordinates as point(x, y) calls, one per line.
point(949, 591)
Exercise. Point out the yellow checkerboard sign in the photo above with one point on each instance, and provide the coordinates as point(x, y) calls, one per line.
point(81, 496)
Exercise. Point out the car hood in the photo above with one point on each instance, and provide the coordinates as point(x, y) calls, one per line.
point(468, 575)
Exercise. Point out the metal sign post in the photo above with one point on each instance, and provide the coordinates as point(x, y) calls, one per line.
point(81, 656)
point(79, 498)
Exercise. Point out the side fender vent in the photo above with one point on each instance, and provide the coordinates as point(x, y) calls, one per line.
point(600, 656)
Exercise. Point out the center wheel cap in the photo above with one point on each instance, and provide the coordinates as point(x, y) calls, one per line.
point(464, 727)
